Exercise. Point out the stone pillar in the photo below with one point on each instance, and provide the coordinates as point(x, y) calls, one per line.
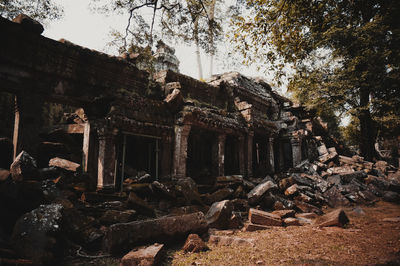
point(249, 154)
point(166, 155)
point(85, 147)
point(242, 152)
point(180, 150)
point(296, 150)
point(28, 123)
point(221, 154)
point(106, 160)
point(270, 154)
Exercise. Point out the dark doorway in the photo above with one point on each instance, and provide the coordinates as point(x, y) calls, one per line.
point(200, 163)
point(138, 155)
point(260, 160)
point(231, 155)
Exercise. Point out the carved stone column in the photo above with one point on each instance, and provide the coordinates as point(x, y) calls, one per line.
point(296, 150)
point(249, 154)
point(221, 154)
point(270, 154)
point(106, 159)
point(27, 123)
point(180, 150)
point(85, 147)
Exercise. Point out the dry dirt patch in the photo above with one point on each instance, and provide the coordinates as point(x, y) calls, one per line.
point(367, 240)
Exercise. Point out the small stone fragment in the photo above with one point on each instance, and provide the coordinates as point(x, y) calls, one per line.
point(264, 218)
point(334, 218)
point(194, 244)
point(150, 255)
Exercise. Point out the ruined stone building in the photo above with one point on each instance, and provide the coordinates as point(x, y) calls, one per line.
point(163, 123)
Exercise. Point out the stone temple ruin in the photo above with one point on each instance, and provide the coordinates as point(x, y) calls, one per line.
point(150, 157)
point(167, 124)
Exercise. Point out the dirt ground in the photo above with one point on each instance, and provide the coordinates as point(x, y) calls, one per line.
point(367, 240)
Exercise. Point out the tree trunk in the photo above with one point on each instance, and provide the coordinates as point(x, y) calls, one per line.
point(196, 38)
point(211, 34)
point(367, 129)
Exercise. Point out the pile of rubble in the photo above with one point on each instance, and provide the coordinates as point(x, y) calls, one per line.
point(50, 212)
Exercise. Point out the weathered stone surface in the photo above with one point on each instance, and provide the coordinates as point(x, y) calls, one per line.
point(284, 213)
point(35, 234)
point(264, 218)
point(23, 167)
point(219, 214)
point(219, 195)
point(335, 198)
point(230, 241)
point(306, 215)
point(250, 227)
point(334, 218)
point(64, 164)
point(306, 207)
point(188, 187)
point(4, 174)
point(292, 190)
point(174, 100)
point(148, 256)
point(140, 205)
point(113, 216)
point(162, 190)
point(391, 196)
point(290, 221)
point(194, 244)
point(347, 177)
point(123, 236)
point(334, 179)
point(80, 228)
point(256, 193)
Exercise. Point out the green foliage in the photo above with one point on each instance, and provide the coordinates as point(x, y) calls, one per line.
point(345, 55)
point(41, 10)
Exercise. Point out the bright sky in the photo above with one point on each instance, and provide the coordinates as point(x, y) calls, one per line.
point(92, 30)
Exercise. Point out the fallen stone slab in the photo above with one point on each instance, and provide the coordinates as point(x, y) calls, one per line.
point(306, 207)
point(335, 198)
point(194, 244)
point(391, 196)
point(140, 205)
point(284, 213)
point(347, 177)
point(264, 218)
point(219, 214)
point(114, 216)
point(334, 218)
point(290, 221)
point(292, 190)
point(65, 164)
point(250, 227)
point(256, 193)
point(218, 195)
point(123, 236)
point(150, 255)
point(306, 215)
point(23, 167)
point(230, 240)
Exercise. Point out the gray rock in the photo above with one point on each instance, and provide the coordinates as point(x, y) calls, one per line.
point(259, 191)
point(219, 214)
point(35, 234)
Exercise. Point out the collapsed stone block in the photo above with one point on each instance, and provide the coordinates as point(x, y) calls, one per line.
point(150, 255)
point(123, 236)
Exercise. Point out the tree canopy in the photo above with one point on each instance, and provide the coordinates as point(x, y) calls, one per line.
point(345, 55)
point(42, 10)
